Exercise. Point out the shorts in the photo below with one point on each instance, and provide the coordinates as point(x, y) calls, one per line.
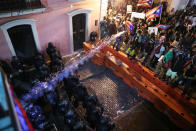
point(171, 74)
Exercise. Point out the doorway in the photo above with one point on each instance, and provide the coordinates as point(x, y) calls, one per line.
point(79, 25)
point(23, 41)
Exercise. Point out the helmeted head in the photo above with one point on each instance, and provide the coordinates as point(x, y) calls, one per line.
point(50, 45)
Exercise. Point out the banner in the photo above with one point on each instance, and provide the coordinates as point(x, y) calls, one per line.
point(153, 30)
point(138, 15)
point(129, 8)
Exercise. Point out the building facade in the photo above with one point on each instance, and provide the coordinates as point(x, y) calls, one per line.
point(63, 22)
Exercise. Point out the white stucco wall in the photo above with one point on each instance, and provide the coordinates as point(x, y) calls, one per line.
point(104, 6)
point(177, 4)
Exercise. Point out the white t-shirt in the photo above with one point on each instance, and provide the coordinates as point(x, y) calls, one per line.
point(161, 52)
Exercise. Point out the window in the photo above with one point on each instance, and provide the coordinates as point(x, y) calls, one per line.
point(18, 5)
point(18, 23)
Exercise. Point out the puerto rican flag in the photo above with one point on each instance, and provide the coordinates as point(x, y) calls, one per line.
point(145, 3)
point(130, 27)
point(162, 27)
point(153, 13)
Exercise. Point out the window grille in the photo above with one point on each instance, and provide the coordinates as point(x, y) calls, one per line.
point(17, 5)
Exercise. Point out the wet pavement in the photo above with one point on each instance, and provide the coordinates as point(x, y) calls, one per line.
point(115, 96)
point(124, 106)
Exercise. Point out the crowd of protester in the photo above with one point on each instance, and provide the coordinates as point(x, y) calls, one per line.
point(171, 54)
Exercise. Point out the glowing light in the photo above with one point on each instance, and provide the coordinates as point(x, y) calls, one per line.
point(39, 88)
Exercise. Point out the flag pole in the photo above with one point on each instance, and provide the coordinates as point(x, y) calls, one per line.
point(161, 14)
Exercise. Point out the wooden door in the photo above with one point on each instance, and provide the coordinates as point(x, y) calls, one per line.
point(79, 24)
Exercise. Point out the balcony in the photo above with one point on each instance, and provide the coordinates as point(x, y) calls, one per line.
point(10, 8)
point(75, 0)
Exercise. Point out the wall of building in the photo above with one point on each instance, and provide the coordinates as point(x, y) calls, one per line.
point(52, 25)
point(104, 6)
point(192, 2)
point(177, 4)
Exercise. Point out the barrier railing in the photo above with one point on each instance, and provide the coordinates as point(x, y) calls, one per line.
point(181, 111)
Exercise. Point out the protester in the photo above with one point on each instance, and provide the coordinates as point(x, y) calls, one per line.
point(164, 53)
point(189, 75)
